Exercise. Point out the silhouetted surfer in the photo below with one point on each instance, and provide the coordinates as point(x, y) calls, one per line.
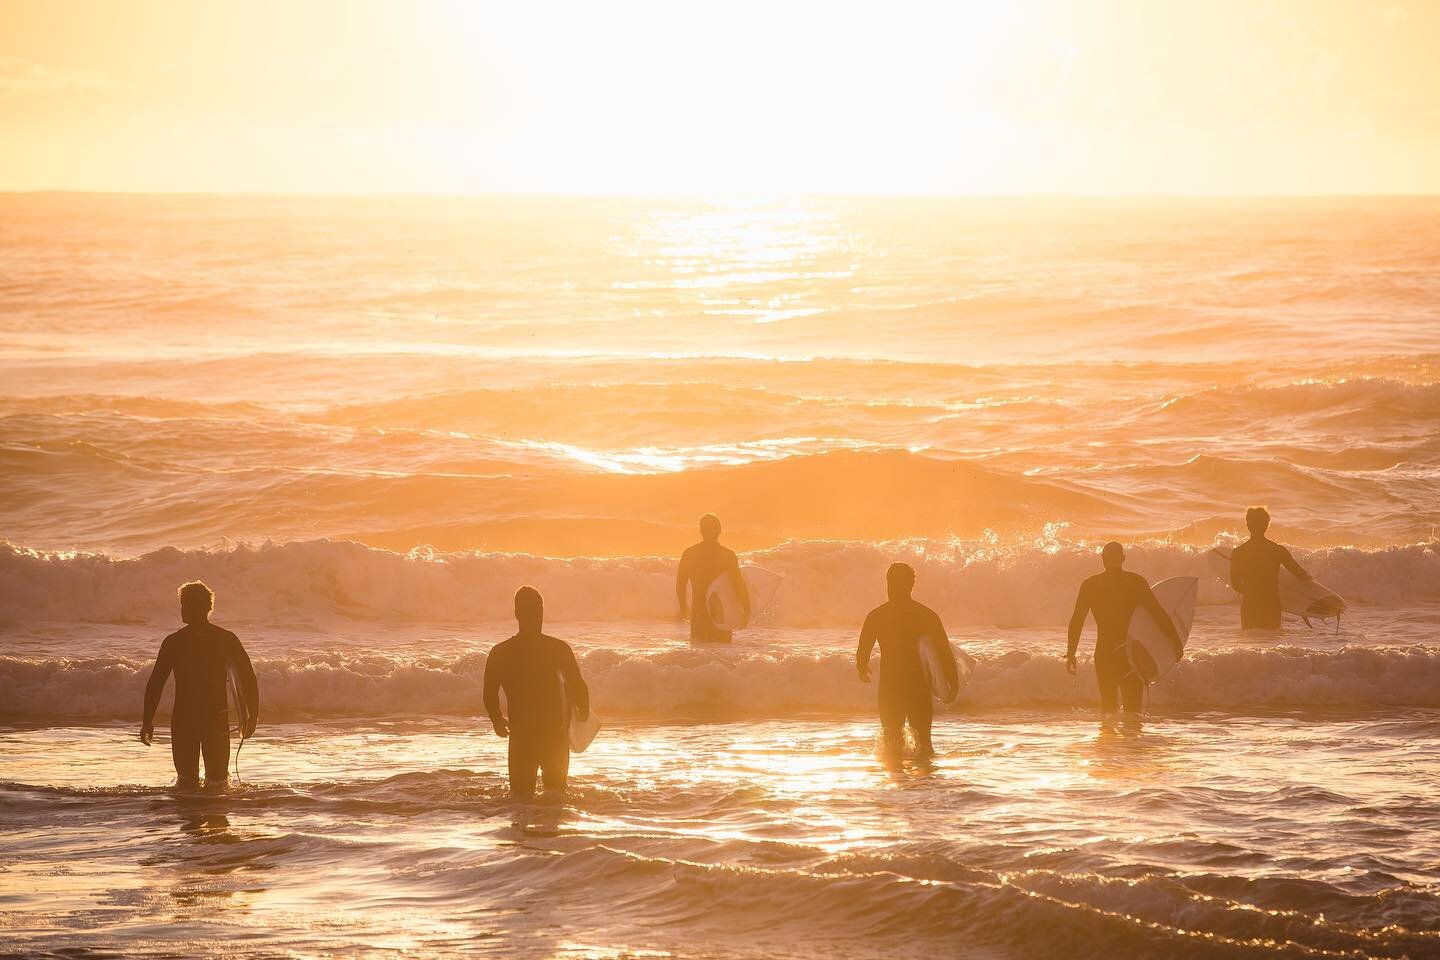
point(200, 654)
point(529, 667)
point(699, 566)
point(1255, 573)
point(1113, 597)
point(897, 625)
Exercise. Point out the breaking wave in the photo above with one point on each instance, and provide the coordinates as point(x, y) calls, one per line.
point(981, 582)
point(708, 684)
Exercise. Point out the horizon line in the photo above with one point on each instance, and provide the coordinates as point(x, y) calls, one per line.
point(698, 195)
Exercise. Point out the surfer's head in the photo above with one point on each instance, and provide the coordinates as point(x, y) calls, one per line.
point(196, 601)
point(529, 609)
point(1113, 555)
point(899, 580)
point(1258, 520)
point(710, 528)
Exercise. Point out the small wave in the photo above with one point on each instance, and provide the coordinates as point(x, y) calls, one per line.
point(980, 582)
point(697, 684)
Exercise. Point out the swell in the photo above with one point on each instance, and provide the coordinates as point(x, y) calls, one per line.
point(970, 582)
point(704, 685)
point(980, 582)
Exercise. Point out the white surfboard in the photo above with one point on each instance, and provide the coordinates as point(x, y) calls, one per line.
point(240, 713)
point(1152, 654)
point(933, 665)
point(723, 601)
point(1300, 598)
point(239, 710)
point(580, 733)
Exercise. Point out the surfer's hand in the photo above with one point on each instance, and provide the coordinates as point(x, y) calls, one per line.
point(864, 674)
point(502, 729)
point(1070, 664)
point(147, 733)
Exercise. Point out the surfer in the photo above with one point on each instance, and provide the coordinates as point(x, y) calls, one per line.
point(201, 655)
point(529, 667)
point(1113, 597)
point(1255, 573)
point(897, 625)
point(699, 566)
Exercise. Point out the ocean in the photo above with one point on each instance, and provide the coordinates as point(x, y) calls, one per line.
point(366, 421)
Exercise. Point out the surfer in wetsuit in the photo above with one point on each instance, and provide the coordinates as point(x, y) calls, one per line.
point(1113, 597)
point(699, 566)
point(200, 654)
point(529, 667)
point(897, 625)
point(1255, 573)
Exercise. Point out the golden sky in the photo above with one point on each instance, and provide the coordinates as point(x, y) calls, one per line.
point(1035, 96)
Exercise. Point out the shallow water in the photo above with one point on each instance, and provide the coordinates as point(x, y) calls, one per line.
point(1031, 834)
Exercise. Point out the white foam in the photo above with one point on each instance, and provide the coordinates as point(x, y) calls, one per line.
point(722, 684)
point(970, 583)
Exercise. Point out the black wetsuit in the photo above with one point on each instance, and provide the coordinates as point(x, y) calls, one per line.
point(699, 566)
point(1255, 575)
point(898, 625)
point(1113, 597)
point(200, 655)
point(528, 668)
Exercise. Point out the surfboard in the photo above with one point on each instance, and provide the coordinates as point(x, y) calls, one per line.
point(723, 602)
point(240, 714)
point(1152, 654)
point(1299, 598)
point(933, 665)
point(580, 733)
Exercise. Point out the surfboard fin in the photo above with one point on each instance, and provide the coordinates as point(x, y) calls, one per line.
point(1307, 621)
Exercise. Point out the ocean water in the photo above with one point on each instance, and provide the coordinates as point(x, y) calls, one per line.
point(365, 422)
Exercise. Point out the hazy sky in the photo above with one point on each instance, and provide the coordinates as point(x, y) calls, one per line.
point(1171, 96)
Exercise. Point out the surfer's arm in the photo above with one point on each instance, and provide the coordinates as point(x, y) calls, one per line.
point(682, 580)
point(492, 696)
point(249, 685)
point(575, 687)
point(1077, 622)
point(164, 664)
point(1288, 560)
point(742, 589)
point(862, 652)
point(1162, 617)
point(1237, 573)
point(952, 669)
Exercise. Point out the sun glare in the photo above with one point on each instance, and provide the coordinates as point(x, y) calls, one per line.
point(1037, 96)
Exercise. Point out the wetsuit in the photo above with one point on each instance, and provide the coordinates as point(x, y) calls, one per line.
point(1255, 575)
point(898, 625)
point(200, 655)
point(699, 566)
point(528, 668)
point(1113, 597)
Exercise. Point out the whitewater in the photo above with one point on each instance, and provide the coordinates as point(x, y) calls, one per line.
point(366, 422)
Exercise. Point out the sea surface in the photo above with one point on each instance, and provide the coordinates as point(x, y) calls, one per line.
point(366, 421)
